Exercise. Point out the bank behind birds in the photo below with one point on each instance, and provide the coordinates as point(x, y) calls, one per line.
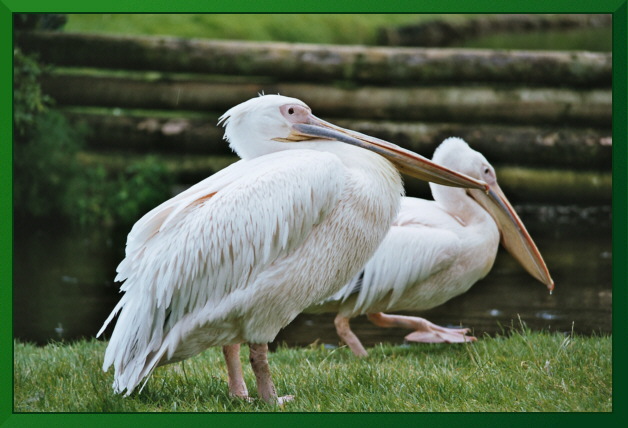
point(239, 255)
point(434, 251)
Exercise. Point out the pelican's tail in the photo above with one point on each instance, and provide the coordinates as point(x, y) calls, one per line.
point(137, 336)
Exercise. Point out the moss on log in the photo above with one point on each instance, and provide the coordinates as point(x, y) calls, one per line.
point(534, 146)
point(452, 104)
point(556, 186)
point(541, 186)
point(321, 63)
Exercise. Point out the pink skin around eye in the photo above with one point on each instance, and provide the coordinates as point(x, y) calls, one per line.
point(295, 113)
point(490, 177)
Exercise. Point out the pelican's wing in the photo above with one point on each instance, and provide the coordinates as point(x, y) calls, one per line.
point(240, 218)
point(151, 223)
point(197, 248)
point(416, 247)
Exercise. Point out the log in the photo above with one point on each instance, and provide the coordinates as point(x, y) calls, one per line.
point(555, 186)
point(537, 146)
point(448, 32)
point(321, 63)
point(525, 185)
point(522, 185)
point(533, 146)
point(452, 104)
point(187, 169)
point(142, 134)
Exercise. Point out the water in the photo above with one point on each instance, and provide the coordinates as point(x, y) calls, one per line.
point(64, 290)
point(62, 283)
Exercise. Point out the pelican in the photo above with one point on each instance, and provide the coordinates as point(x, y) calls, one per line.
point(236, 257)
point(434, 251)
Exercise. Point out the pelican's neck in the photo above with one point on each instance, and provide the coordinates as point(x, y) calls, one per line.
point(479, 234)
point(460, 205)
point(373, 178)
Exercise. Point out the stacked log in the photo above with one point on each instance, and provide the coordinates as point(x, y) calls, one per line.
point(321, 63)
point(544, 118)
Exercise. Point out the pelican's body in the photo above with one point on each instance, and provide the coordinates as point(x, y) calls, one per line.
point(434, 251)
point(237, 256)
point(428, 257)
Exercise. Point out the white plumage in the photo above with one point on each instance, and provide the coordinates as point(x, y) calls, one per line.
point(237, 256)
point(434, 251)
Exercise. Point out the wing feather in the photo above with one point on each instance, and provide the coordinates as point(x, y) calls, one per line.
point(415, 248)
point(212, 240)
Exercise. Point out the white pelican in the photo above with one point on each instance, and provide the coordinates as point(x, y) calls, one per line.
point(436, 250)
point(237, 256)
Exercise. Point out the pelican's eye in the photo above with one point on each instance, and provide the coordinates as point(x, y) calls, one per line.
point(290, 110)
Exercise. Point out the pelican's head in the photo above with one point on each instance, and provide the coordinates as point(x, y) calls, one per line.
point(456, 154)
point(254, 126)
point(271, 123)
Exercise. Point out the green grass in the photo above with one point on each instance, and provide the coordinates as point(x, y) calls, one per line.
point(319, 28)
point(585, 39)
point(526, 371)
point(303, 28)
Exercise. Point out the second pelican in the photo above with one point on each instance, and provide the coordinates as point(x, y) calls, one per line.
point(434, 251)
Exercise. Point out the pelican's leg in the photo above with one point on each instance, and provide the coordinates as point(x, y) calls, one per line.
point(424, 331)
point(237, 387)
point(344, 332)
point(265, 386)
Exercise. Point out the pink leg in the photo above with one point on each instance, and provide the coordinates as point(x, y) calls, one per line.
point(265, 386)
point(347, 336)
point(237, 387)
point(424, 331)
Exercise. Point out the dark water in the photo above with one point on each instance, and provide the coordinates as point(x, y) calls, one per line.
point(63, 287)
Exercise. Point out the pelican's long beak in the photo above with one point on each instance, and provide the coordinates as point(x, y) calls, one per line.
point(406, 161)
point(515, 238)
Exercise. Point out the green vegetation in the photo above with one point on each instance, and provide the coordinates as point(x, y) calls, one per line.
point(28, 99)
point(51, 183)
point(527, 371)
point(119, 197)
point(44, 144)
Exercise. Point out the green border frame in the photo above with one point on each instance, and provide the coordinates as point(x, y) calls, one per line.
point(619, 9)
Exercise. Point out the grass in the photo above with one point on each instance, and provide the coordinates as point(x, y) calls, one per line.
point(303, 28)
point(525, 371)
point(320, 28)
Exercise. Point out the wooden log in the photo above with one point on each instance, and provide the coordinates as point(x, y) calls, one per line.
point(551, 186)
point(451, 104)
point(538, 146)
point(522, 185)
point(321, 63)
point(556, 186)
point(447, 32)
point(187, 169)
point(534, 146)
point(142, 134)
